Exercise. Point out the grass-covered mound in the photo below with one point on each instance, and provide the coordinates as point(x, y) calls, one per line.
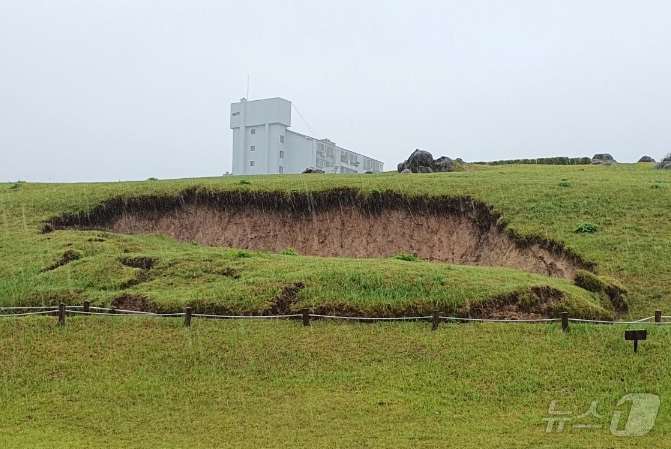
point(622, 212)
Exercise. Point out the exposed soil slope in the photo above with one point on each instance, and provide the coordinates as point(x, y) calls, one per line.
point(336, 223)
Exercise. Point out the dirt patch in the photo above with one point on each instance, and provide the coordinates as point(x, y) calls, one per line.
point(127, 301)
point(335, 223)
point(289, 295)
point(56, 297)
point(141, 277)
point(533, 304)
point(67, 257)
point(227, 272)
point(142, 262)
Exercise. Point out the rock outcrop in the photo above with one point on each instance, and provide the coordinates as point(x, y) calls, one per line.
point(313, 170)
point(421, 161)
point(646, 159)
point(603, 159)
point(665, 164)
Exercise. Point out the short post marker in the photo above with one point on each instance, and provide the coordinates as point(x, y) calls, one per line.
point(436, 319)
point(564, 321)
point(87, 306)
point(306, 316)
point(187, 317)
point(61, 314)
point(658, 316)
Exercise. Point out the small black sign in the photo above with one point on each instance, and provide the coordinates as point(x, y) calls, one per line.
point(635, 334)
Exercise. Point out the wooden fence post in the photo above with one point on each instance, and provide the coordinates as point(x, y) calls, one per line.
point(658, 316)
point(436, 319)
point(564, 321)
point(87, 306)
point(306, 316)
point(187, 317)
point(61, 314)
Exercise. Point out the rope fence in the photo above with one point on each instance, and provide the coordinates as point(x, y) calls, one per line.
point(436, 318)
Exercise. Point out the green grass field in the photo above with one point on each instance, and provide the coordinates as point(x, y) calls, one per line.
point(135, 382)
point(629, 205)
point(146, 383)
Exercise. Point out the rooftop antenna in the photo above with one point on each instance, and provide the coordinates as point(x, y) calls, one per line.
point(247, 97)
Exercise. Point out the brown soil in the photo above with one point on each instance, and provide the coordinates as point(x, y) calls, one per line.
point(142, 276)
point(289, 295)
point(68, 256)
point(142, 262)
point(533, 304)
point(127, 301)
point(339, 223)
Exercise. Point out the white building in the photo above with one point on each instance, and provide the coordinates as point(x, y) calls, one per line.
point(264, 144)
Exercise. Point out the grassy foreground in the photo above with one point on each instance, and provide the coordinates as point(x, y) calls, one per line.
point(628, 204)
point(146, 383)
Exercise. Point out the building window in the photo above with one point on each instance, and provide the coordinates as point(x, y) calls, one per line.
point(253, 131)
point(281, 169)
point(252, 148)
point(235, 114)
point(251, 163)
point(281, 154)
point(281, 139)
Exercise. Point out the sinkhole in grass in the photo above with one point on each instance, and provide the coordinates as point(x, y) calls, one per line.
point(333, 223)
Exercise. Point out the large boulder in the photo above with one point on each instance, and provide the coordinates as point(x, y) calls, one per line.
point(421, 161)
point(313, 170)
point(646, 159)
point(603, 158)
point(665, 164)
point(444, 164)
point(418, 158)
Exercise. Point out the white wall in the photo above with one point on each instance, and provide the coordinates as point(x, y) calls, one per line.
point(267, 119)
point(299, 152)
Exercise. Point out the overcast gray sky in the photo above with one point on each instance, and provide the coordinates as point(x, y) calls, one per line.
point(122, 90)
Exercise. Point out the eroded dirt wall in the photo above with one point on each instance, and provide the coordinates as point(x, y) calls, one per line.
point(334, 224)
point(348, 233)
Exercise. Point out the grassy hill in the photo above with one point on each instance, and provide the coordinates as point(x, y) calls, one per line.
point(627, 205)
point(148, 382)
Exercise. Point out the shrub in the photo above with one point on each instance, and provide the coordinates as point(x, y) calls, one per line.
point(244, 182)
point(406, 257)
point(543, 161)
point(289, 252)
point(586, 228)
point(241, 254)
point(564, 184)
point(152, 179)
